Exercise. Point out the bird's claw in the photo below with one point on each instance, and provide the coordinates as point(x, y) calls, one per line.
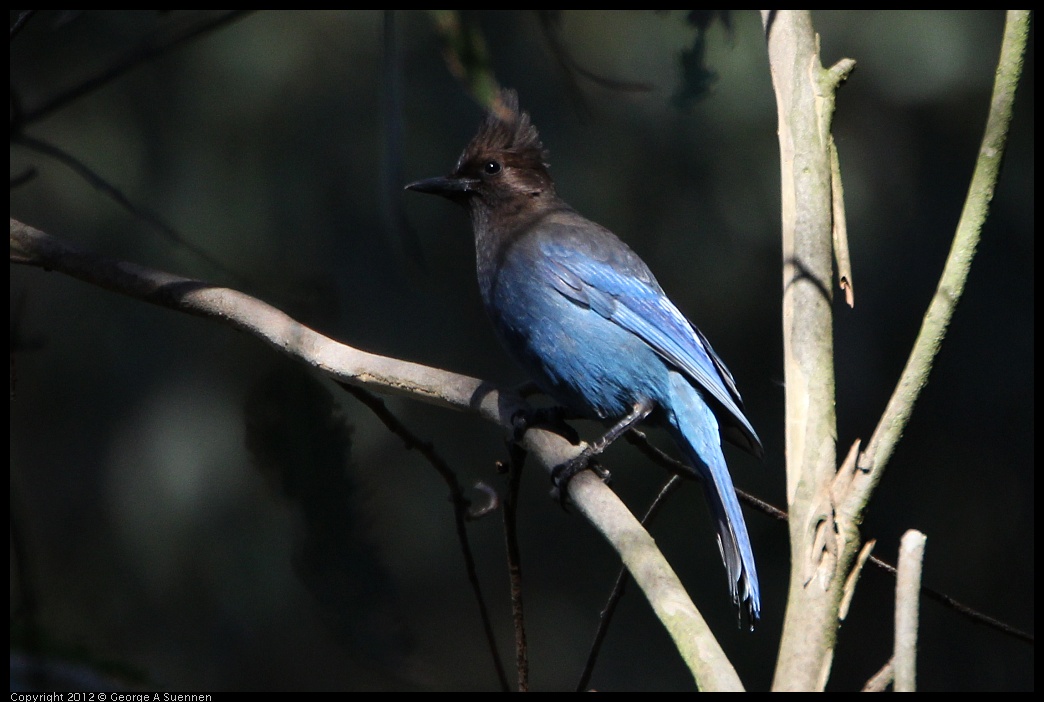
point(552, 418)
point(562, 474)
point(520, 422)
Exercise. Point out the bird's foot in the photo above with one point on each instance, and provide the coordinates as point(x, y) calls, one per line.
point(562, 474)
point(551, 418)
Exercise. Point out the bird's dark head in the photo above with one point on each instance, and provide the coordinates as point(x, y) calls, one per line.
point(504, 161)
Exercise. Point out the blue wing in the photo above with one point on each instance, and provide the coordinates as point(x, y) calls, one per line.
point(622, 289)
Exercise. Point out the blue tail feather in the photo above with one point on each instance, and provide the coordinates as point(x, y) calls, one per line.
point(695, 429)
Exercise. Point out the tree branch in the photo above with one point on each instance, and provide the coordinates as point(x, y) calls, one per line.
point(824, 517)
point(701, 652)
point(907, 610)
point(897, 413)
point(804, 100)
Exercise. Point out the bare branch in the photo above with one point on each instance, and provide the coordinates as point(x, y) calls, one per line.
point(461, 509)
point(693, 638)
point(804, 103)
point(955, 273)
point(907, 609)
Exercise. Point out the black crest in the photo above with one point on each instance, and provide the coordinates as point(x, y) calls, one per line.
point(508, 133)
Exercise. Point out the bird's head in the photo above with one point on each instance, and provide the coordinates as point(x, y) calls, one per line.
point(504, 161)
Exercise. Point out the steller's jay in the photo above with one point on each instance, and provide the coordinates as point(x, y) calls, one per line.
point(585, 317)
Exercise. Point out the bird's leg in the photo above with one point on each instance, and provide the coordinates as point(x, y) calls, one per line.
point(562, 474)
point(528, 389)
point(553, 418)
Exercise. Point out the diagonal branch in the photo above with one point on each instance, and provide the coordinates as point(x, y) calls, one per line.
point(144, 52)
point(603, 509)
point(873, 459)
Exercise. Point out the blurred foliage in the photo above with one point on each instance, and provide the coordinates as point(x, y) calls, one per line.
point(146, 532)
point(300, 441)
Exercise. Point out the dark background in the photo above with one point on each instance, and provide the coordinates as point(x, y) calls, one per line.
point(147, 544)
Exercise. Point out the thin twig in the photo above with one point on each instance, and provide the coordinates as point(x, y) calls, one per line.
point(457, 498)
point(640, 440)
point(517, 457)
point(880, 680)
point(637, 438)
point(94, 179)
point(19, 23)
point(392, 172)
point(144, 52)
point(964, 609)
point(621, 585)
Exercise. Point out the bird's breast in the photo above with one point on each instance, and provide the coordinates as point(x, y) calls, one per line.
point(579, 357)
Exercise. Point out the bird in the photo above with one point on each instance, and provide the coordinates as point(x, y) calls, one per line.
point(584, 316)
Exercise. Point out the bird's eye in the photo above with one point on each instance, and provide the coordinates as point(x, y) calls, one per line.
point(491, 167)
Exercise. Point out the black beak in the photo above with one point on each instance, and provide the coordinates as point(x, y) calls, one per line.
point(446, 186)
